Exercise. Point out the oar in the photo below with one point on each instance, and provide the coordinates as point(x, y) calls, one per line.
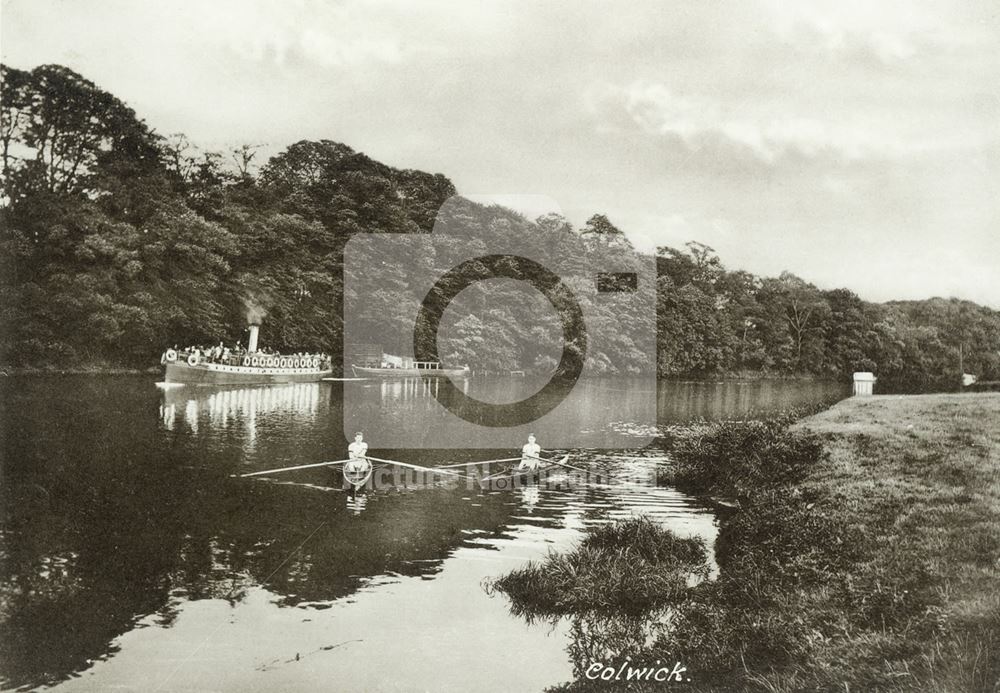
point(585, 471)
point(561, 464)
point(288, 469)
point(414, 466)
point(472, 464)
point(607, 475)
point(515, 471)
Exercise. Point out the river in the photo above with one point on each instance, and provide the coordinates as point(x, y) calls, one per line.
point(133, 557)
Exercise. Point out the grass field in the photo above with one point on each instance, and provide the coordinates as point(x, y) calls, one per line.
point(918, 479)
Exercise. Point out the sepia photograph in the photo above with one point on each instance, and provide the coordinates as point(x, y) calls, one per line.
point(501, 346)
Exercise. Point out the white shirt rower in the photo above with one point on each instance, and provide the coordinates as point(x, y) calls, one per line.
point(356, 453)
point(530, 453)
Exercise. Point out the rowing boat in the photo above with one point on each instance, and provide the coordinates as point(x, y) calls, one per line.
point(357, 477)
point(514, 477)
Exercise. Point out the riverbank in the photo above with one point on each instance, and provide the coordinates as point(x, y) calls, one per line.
point(864, 555)
point(95, 369)
point(917, 479)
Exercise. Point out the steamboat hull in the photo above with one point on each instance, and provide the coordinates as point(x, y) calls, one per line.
point(222, 374)
point(411, 372)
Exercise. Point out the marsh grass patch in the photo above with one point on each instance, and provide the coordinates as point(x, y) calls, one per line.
point(632, 565)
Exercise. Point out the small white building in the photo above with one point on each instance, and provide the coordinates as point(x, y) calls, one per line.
point(864, 383)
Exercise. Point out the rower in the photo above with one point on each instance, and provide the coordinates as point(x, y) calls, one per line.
point(356, 453)
point(530, 453)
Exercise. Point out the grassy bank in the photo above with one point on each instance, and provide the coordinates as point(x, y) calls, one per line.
point(917, 479)
point(865, 554)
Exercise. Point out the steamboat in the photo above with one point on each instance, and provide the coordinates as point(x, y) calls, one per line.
point(194, 366)
point(391, 366)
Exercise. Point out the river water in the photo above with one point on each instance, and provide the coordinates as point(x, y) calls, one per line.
point(132, 557)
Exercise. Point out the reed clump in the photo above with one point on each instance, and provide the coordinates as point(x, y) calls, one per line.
point(631, 565)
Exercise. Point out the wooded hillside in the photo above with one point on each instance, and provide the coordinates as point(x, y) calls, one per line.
point(117, 242)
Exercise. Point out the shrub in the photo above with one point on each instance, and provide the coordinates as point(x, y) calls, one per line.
point(738, 459)
point(632, 565)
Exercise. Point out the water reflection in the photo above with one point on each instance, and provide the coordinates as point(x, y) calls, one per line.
point(621, 637)
point(610, 638)
point(219, 406)
point(415, 389)
point(356, 502)
point(530, 495)
point(600, 412)
point(679, 402)
point(127, 544)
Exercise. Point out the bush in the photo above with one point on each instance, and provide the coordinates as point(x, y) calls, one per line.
point(738, 459)
point(632, 565)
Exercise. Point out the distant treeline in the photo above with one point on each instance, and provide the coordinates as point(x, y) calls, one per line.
point(118, 242)
point(717, 321)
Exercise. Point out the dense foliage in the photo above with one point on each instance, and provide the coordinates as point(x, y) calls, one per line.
point(117, 242)
point(712, 321)
point(758, 456)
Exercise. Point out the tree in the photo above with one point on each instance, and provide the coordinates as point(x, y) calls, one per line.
point(115, 241)
point(60, 129)
point(243, 159)
point(851, 335)
point(805, 313)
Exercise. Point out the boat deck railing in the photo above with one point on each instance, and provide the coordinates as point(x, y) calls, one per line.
point(236, 358)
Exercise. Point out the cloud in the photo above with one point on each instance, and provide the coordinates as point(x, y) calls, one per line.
point(328, 34)
point(889, 33)
point(347, 33)
point(703, 124)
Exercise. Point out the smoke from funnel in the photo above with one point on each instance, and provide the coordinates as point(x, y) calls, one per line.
point(255, 315)
point(256, 310)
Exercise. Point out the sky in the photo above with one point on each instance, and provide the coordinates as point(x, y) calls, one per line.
point(856, 144)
